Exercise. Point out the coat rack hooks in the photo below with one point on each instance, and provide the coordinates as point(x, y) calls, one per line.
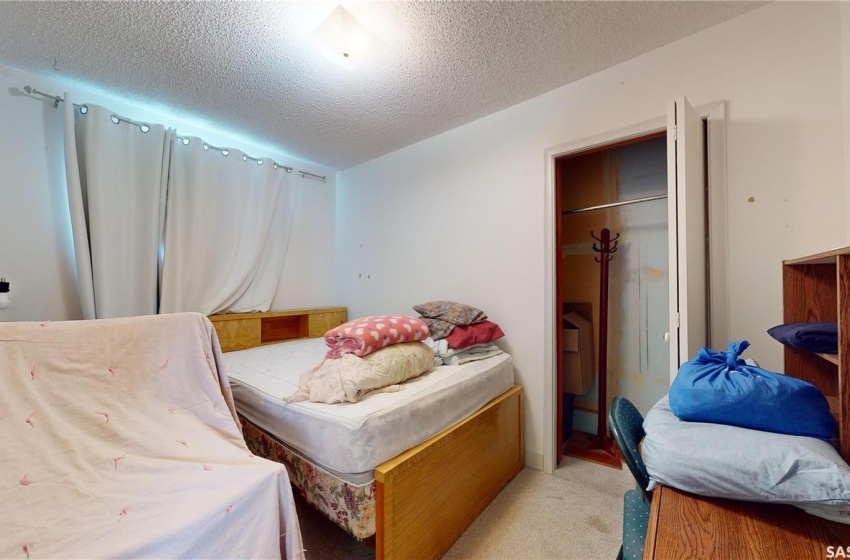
point(611, 246)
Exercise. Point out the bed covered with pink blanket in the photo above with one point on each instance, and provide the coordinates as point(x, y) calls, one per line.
point(119, 439)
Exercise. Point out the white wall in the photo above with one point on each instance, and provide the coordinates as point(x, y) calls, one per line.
point(36, 254)
point(460, 216)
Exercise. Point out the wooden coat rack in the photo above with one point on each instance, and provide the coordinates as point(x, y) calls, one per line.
point(606, 248)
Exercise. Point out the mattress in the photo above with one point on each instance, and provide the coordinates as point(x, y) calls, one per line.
point(351, 439)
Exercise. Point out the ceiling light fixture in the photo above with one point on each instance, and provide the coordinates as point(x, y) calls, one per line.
point(343, 40)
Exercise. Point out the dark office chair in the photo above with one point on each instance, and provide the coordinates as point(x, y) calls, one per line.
point(635, 523)
point(626, 425)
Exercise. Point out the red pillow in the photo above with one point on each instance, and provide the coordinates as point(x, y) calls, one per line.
point(476, 333)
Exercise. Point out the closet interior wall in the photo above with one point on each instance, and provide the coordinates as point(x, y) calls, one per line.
point(638, 356)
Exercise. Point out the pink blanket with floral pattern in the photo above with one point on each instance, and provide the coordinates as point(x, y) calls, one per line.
point(119, 439)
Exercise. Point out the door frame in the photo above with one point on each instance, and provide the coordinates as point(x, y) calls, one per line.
point(715, 116)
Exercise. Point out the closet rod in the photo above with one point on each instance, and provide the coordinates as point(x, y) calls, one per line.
point(56, 100)
point(614, 204)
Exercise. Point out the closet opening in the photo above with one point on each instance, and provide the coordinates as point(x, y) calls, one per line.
point(606, 170)
point(612, 235)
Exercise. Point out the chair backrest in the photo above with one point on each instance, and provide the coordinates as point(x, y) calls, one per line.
point(626, 425)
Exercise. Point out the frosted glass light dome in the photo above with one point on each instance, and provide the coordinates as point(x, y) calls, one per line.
point(343, 40)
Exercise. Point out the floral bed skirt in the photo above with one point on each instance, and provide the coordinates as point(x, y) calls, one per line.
point(351, 506)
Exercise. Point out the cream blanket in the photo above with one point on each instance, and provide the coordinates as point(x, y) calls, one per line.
point(119, 439)
point(350, 378)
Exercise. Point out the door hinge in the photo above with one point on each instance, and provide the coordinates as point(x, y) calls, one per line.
point(677, 321)
point(675, 133)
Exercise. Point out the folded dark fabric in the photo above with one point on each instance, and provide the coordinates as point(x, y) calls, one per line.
point(812, 337)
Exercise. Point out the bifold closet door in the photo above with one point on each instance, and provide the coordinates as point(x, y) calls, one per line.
point(686, 207)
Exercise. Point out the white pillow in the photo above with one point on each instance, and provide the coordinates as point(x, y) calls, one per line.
point(723, 461)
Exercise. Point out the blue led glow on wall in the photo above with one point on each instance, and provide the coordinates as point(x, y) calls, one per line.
point(186, 123)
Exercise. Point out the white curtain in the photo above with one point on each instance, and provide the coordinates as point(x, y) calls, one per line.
point(116, 186)
point(226, 231)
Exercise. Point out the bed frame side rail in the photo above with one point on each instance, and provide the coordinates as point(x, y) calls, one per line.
point(428, 496)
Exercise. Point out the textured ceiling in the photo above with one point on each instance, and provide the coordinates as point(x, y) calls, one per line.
point(249, 67)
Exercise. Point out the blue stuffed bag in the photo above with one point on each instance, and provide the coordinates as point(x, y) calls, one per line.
point(719, 388)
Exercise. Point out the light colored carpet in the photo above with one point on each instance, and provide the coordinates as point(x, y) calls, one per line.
point(575, 514)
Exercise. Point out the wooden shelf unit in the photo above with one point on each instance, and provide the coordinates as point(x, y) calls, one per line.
point(237, 331)
point(817, 289)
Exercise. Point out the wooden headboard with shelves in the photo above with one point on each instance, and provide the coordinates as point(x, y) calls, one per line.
point(238, 331)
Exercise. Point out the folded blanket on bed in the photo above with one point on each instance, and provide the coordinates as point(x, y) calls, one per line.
point(350, 378)
point(442, 349)
point(438, 347)
point(369, 334)
point(471, 354)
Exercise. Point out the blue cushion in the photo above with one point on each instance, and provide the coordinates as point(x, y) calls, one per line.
point(718, 387)
point(812, 337)
point(729, 462)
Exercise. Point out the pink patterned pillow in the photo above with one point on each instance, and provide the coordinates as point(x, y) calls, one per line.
point(368, 334)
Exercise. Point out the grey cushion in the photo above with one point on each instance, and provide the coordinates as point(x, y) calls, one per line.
point(729, 462)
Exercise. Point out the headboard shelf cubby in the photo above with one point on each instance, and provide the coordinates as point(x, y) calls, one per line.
point(238, 331)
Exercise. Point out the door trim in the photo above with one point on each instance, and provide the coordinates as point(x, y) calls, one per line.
point(715, 116)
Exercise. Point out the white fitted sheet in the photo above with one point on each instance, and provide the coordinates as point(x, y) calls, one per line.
point(351, 439)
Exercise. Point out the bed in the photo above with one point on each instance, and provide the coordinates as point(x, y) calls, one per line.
point(120, 439)
point(412, 487)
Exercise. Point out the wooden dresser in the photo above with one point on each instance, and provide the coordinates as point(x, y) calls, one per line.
point(685, 526)
point(815, 288)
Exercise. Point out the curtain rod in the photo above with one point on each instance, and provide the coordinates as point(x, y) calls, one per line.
point(324, 178)
point(225, 151)
point(614, 204)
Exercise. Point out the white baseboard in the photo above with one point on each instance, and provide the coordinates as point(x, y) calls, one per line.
point(534, 460)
